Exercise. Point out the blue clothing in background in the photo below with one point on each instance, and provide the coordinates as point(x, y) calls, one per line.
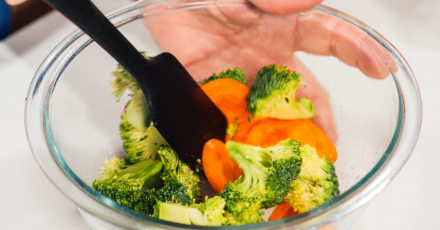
point(5, 19)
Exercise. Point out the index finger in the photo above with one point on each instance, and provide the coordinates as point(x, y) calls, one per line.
point(323, 34)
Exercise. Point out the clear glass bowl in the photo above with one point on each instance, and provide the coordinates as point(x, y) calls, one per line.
point(72, 119)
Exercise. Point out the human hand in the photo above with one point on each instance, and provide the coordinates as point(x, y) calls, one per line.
point(229, 36)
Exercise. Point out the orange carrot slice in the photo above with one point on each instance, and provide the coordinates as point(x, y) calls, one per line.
point(282, 211)
point(268, 132)
point(218, 166)
point(243, 129)
point(230, 97)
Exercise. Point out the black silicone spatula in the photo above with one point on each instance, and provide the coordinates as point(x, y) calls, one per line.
point(180, 110)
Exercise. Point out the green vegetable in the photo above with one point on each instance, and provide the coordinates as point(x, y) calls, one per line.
point(268, 173)
point(177, 170)
point(137, 113)
point(210, 213)
point(231, 129)
point(125, 184)
point(137, 186)
point(316, 184)
point(176, 182)
point(139, 137)
point(213, 211)
point(139, 145)
point(179, 213)
point(124, 80)
point(234, 74)
point(181, 184)
point(274, 95)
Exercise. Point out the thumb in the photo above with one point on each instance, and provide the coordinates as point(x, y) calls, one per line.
point(285, 6)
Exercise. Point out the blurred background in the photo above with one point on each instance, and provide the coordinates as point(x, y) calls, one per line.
point(15, 17)
point(30, 31)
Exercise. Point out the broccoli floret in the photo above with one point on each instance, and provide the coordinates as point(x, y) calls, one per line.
point(178, 213)
point(273, 95)
point(181, 184)
point(112, 167)
point(234, 74)
point(175, 169)
point(316, 184)
point(213, 210)
point(210, 213)
point(137, 113)
point(138, 136)
point(246, 211)
point(232, 129)
point(125, 184)
point(124, 80)
point(268, 173)
point(140, 145)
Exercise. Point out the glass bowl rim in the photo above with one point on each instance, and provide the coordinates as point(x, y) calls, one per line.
point(359, 194)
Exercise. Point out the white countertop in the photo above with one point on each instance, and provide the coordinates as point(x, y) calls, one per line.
point(29, 200)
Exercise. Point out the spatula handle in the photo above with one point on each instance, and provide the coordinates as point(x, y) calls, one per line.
point(88, 18)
